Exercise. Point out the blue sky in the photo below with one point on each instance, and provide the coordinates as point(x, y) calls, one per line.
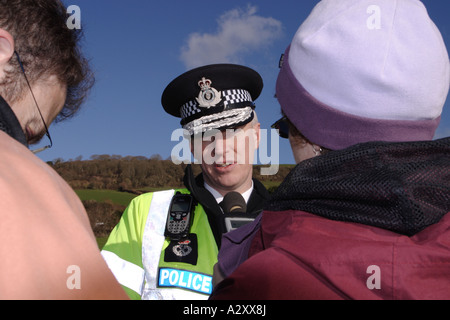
point(137, 47)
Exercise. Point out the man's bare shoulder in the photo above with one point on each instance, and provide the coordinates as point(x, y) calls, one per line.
point(48, 248)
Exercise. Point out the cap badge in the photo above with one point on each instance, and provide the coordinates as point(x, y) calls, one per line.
point(208, 97)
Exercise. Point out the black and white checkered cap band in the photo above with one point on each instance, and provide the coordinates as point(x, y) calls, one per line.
point(229, 98)
point(236, 96)
point(189, 109)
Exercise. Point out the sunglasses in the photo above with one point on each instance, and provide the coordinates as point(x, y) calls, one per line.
point(282, 126)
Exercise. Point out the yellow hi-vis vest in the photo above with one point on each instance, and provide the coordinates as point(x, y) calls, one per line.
point(135, 252)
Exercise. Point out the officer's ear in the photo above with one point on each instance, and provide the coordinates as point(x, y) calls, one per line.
point(6, 49)
point(257, 128)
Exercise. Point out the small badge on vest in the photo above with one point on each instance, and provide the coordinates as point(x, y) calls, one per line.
point(185, 250)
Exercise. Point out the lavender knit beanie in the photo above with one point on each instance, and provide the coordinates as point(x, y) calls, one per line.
point(365, 70)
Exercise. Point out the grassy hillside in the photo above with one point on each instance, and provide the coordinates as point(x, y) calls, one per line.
point(116, 197)
point(106, 184)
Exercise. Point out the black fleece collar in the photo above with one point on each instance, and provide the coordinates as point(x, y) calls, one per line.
point(401, 187)
point(10, 124)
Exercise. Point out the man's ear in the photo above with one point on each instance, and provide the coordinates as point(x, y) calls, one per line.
point(6, 47)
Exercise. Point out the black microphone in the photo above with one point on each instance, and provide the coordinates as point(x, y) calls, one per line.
point(235, 211)
point(234, 202)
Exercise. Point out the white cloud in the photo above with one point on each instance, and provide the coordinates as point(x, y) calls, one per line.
point(239, 32)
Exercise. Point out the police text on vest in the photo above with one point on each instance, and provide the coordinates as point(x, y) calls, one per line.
point(193, 281)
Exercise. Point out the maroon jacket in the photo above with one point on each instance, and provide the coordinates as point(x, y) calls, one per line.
point(316, 258)
point(394, 244)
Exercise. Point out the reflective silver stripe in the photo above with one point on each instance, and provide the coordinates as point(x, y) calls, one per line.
point(126, 273)
point(153, 241)
point(152, 244)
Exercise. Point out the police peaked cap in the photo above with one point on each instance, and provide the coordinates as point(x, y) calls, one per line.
point(218, 96)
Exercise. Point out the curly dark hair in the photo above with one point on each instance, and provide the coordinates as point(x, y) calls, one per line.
point(46, 47)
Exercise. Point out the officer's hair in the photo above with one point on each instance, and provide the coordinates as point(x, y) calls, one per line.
point(255, 120)
point(47, 47)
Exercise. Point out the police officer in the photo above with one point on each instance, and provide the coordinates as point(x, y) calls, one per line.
point(166, 243)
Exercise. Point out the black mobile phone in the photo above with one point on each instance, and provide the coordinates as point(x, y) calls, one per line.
point(180, 215)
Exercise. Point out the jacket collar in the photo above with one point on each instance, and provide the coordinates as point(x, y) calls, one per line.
point(196, 185)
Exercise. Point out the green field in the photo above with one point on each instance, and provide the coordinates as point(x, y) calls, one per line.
point(116, 197)
point(122, 198)
point(101, 242)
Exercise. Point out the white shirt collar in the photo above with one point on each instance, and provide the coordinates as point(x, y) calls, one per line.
point(219, 197)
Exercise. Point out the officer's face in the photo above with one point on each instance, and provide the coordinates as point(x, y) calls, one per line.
point(227, 158)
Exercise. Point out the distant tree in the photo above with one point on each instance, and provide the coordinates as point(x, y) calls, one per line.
point(101, 157)
point(156, 157)
point(134, 173)
point(58, 161)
